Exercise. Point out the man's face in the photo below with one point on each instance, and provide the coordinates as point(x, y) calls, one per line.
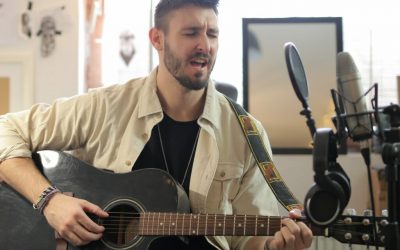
point(191, 45)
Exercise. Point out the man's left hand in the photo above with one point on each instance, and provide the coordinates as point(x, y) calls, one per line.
point(292, 236)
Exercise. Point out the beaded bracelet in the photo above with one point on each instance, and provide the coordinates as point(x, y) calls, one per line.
point(45, 197)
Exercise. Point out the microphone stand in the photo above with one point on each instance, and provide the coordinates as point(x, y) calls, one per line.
point(310, 121)
point(391, 157)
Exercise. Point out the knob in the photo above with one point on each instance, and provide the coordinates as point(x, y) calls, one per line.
point(348, 236)
point(384, 222)
point(350, 211)
point(365, 237)
point(367, 212)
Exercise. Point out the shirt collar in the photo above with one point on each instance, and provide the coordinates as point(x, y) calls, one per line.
point(149, 103)
point(211, 110)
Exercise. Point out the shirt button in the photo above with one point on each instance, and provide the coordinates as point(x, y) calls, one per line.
point(222, 174)
point(128, 163)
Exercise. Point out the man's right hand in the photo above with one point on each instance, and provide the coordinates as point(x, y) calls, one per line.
point(67, 215)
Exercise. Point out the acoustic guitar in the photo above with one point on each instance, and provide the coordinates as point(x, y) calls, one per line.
point(144, 206)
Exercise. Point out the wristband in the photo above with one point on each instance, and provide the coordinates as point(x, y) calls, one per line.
point(45, 197)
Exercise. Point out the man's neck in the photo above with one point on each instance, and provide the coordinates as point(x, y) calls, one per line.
point(178, 102)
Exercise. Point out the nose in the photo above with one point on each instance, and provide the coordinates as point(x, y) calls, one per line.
point(204, 44)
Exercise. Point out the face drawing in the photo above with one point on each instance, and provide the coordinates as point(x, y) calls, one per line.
point(127, 48)
point(48, 31)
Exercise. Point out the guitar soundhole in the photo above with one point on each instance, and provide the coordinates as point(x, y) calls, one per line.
point(122, 225)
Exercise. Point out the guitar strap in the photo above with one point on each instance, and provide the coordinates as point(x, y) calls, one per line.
point(263, 159)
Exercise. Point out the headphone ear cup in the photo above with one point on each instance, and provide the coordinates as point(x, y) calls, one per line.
point(344, 187)
point(323, 203)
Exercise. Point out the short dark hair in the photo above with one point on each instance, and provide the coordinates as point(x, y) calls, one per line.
point(164, 7)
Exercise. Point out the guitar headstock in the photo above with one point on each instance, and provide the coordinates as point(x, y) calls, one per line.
point(353, 229)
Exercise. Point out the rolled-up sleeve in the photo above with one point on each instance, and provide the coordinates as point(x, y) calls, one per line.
point(45, 126)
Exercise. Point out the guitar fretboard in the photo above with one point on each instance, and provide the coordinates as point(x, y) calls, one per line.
point(159, 223)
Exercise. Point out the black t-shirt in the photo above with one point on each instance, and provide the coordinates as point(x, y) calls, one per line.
point(179, 140)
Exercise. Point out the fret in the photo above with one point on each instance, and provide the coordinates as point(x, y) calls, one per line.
point(256, 227)
point(268, 226)
point(164, 223)
point(148, 223)
point(158, 224)
point(183, 224)
point(205, 228)
point(198, 222)
point(171, 223)
point(190, 224)
point(152, 224)
point(142, 218)
point(234, 222)
point(176, 223)
point(215, 223)
point(245, 225)
point(223, 229)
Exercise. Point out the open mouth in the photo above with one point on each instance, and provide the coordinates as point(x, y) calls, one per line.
point(199, 62)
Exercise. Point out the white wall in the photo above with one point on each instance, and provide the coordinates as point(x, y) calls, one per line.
point(56, 75)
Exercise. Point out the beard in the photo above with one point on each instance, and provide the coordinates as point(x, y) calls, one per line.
point(175, 66)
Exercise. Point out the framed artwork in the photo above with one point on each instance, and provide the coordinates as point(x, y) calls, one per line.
point(4, 95)
point(126, 51)
point(16, 80)
point(267, 90)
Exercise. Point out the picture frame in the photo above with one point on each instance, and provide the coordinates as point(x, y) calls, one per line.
point(17, 66)
point(267, 91)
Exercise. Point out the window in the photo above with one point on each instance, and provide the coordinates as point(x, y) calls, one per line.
point(370, 35)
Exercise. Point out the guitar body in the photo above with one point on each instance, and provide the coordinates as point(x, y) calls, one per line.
point(153, 190)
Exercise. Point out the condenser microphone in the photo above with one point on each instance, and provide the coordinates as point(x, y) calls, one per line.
point(357, 116)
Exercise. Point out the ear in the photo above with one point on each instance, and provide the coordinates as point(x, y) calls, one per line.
point(156, 38)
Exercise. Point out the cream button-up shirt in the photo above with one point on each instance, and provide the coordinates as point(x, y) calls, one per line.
point(108, 128)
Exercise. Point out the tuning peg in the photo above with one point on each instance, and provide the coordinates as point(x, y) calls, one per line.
point(365, 237)
point(385, 214)
point(350, 211)
point(367, 212)
point(348, 236)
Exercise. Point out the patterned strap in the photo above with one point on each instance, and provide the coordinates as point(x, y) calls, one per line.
point(263, 159)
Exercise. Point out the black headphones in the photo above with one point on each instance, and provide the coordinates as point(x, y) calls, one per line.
point(328, 197)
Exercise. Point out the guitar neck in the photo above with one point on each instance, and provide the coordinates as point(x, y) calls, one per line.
point(159, 223)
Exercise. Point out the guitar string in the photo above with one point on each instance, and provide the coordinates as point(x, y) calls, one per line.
point(201, 224)
point(250, 224)
point(165, 158)
point(157, 229)
point(188, 231)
